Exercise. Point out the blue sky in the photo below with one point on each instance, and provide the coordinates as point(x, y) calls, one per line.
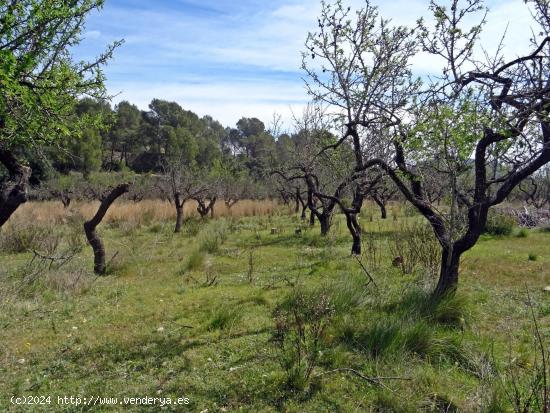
point(231, 59)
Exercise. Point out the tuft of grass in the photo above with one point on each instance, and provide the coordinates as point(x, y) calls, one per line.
point(195, 261)
point(391, 337)
point(347, 294)
point(192, 227)
point(382, 337)
point(532, 257)
point(214, 238)
point(389, 402)
point(224, 317)
point(451, 310)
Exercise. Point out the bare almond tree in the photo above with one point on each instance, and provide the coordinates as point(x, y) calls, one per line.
point(483, 125)
point(357, 65)
point(180, 184)
point(536, 190)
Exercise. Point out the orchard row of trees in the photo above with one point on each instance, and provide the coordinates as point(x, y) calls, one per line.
point(472, 133)
point(453, 144)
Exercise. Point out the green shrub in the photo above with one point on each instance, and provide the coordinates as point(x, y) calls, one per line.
point(522, 233)
point(301, 320)
point(214, 238)
point(499, 224)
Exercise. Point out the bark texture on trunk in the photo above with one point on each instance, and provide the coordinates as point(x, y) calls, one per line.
point(14, 191)
point(355, 231)
point(448, 275)
point(311, 218)
point(382, 206)
point(90, 227)
point(179, 202)
point(303, 215)
point(179, 219)
point(325, 222)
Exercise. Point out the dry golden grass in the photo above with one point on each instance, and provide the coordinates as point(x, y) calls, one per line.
point(144, 212)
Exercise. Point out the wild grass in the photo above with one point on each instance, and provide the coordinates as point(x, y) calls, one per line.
point(138, 214)
point(195, 261)
point(147, 330)
point(224, 317)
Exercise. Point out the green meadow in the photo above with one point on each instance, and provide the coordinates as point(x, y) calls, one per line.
point(249, 314)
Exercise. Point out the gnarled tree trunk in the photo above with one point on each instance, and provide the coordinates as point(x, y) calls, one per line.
point(204, 208)
point(382, 206)
point(448, 275)
point(230, 202)
point(14, 190)
point(179, 202)
point(303, 215)
point(355, 231)
point(90, 227)
point(325, 220)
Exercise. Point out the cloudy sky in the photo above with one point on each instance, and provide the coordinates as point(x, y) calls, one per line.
point(234, 58)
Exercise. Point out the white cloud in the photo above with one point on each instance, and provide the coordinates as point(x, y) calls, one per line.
point(92, 34)
point(231, 64)
point(225, 101)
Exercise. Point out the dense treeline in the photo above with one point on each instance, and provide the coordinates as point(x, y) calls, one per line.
point(124, 137)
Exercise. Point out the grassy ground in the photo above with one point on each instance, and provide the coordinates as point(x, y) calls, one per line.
point(194, 315)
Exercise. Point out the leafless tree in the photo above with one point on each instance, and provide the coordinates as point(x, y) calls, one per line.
point(357, 64)
point(325, 175)
point(536, 190)
point(207, 198)
point(180, 184)
point(382, 191)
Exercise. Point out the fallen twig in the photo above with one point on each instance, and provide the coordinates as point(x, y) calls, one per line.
point(371, 280)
